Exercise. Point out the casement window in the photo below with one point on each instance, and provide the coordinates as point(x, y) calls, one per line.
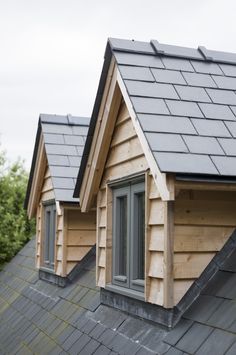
point(128, 244)
point(49, 235)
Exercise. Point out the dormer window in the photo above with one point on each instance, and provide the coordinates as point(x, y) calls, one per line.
point(129, 236)
point(49, 235)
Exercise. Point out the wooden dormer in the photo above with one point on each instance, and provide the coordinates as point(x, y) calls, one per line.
point(63, 235)
point(146, 129)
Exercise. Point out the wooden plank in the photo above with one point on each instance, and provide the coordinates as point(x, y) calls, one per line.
point(156, 238)
point(153, 193)
point(81, 237)
point(101, 277)
point(157, 212)
point(98, 236)
point(124, 152)
point(102, 258)
point(205, 195)
point(70, 266)
point(59, 254)
point(59, 237)
point(200, 238)
point(190, 265)
point(123, 114)
point(168, 254)
point(76, 253)
point(180, 288)
point(156, 268)
point(156, 291)
point(102, 239)
point(59, 268)
point(108, 250)
point(78, 220)
point(205, 186)
point(65, 235)
point(123, 133)
point(133, 166)
point(102, 220)
point(47, 196)
point(213, 213)
point(147, 236)
point(47, 184)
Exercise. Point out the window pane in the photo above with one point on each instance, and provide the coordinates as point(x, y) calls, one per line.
point(47, 236)
point(122, 235)
point(140, 235)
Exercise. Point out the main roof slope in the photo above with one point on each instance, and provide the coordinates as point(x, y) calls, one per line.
point(184, 100)
point(40, 318)
point(64, 138)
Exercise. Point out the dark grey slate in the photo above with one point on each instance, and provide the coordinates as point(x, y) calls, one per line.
point(231, 127)
point(203, 145)
point(74, 161)
point(145, 89)
point(168, 124)
point(217, 343)
point(225, 165)
point(192, 93)
point(206, 68)
point(53, 138)
point(131, 46)
point(183, 108)
point(141, 60)
point(149, 105)
point(73, 140)
point(177, 333)
point(136, 73)
point(45, 118)
point(60, 149)
point(63, 183)
point(58, 160)
point(166, 142)
point(56, 129)
point(184, 163)
point(168, 76)
point(210, 128)
point(224, 315)
point(59, 171)
point(203, 80)
point(219, 96)
point(203, 308)
point(218, 112)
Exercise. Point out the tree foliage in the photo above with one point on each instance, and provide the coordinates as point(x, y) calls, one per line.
point(15, 228)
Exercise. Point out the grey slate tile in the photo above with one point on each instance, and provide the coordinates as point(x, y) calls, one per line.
point(228, 69)
point(203, 308)
point(217, 343)
point(224, 315)
point(168, 76)
point(141, 60)
point(206, 68)
point(185, 163)
point(90, 348)
point(79, 130)
point(73, 140)
point(177, 64)
point(218, 112)
point(232, 350)
point(176, 333)
point(194, 338)
point(207, 127)
point(79, 150)
point(149, 105)
point(225, 165)
point(174, 351)
point(231, 127)
point(203, 145)
point(222, 285)
point(53, 138)
point(166, 142)
point(79, 345)
point(97, 331)
point(130, 45)
point(102, 350)
point(71, 339)
point(60, 149)
point(75, 120)
point(56, 129)
point(203, 80)
point(58, 171)
point(145, 89)
point(66, 183)
point(45, 118)
point(191, 93)
point(74, 161)
point(167, 124)
point(219, 96)
point(225, 82)
point(229, 145)
point(184, 108)
point(136, 73)
point(59, 160)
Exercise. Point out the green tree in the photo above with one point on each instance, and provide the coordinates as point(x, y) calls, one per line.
point(15, 228)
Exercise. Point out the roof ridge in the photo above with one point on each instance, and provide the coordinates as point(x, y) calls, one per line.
point(67, 119)
point(160, 49)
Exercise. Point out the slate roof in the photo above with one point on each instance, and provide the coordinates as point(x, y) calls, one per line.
point(64, 138)
point(40, 318)
point(185, 102)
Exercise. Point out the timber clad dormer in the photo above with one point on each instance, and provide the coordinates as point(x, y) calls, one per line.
point(63, 235)
point(165, 115)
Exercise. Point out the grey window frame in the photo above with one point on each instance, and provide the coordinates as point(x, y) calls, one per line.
point(49, 234)
point(130, 189)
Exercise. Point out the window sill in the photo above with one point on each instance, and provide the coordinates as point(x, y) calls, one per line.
point(125, 291)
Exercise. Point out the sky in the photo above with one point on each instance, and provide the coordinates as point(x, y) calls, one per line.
point(51, 52)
